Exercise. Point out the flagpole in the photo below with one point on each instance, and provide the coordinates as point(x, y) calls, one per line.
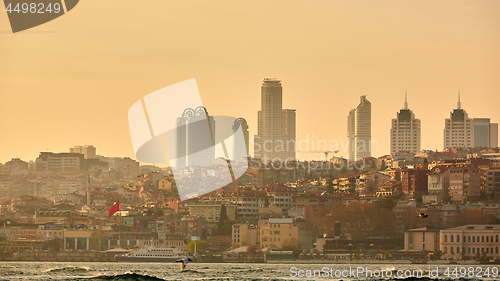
point(120, 226)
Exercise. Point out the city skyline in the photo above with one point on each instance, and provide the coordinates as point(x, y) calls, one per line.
point(492, 128)
point(76, 83)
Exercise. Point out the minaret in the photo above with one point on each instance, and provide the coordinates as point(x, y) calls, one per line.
point(88, 192)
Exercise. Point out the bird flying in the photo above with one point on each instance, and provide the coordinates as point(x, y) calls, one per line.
point(422, 215)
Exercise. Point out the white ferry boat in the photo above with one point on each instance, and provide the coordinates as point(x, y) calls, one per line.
point(153, 254)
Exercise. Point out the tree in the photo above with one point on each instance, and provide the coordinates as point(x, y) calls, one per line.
point(291, 244)
point(383, 166)
point(251, 251)
point(436, 255)
point(370, 186)
point(159, 213)
point(227, 228)
point(329, 186)
point(201, 246)
point(266, 202)
point(222, 219)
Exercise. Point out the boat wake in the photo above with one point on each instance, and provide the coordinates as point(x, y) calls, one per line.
point(68, 269)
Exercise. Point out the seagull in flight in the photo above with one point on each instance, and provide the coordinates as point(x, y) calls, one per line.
point(422, 215)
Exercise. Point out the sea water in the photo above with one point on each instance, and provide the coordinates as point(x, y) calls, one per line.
point(240, 271)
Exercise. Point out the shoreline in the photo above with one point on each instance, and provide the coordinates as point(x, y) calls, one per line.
point(364, 262)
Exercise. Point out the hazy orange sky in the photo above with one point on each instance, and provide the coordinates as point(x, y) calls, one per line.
point(71, 81)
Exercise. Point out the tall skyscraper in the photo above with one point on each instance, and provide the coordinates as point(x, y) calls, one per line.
point(359, 130)
point(276, 127)
point(195, 133)
point(290, 134)
point(241, 122)
point(351, 120)
point(459, 128)
point(405, 131)
point(485, 133)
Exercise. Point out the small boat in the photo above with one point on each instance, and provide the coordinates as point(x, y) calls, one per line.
point(419, 262)
point(153, 254)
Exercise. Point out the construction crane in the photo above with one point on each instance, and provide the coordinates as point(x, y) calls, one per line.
point(326, 152)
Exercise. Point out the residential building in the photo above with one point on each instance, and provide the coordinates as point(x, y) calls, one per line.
point(438, 183)
point(414, 179)
point(244, 235)
point(275, 231)
point(492, 181)
point(165, 184)
point(210, 210)
point(465, 182)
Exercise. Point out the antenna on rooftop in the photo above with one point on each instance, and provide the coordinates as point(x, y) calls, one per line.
point(406, 101)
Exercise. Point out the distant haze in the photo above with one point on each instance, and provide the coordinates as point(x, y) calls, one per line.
point(71, 81)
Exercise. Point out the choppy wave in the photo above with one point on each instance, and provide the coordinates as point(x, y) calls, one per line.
point(188, 271)
point(127, 276)
point(425, 279)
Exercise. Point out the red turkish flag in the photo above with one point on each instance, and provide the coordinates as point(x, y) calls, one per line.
point(115, 208)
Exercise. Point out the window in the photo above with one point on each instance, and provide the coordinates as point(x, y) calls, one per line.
point(458, 238)
point(451, 238)
point(445, 239)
